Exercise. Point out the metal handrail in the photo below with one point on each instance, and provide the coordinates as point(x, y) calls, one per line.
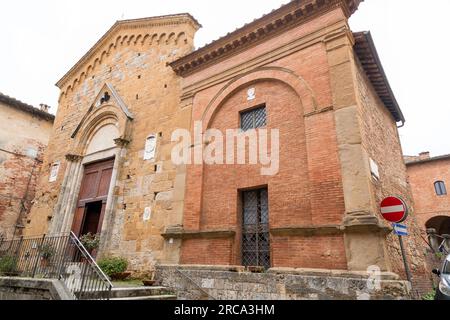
point(91, 259)
point(195, 283)
point(57, 257)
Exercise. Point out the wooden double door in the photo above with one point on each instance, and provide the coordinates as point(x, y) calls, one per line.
point(93, 198)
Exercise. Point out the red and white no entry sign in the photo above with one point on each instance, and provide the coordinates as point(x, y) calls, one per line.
point(394, 210)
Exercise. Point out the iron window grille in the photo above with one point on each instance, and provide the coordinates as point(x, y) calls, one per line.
point(253, 119)
point(255, 231)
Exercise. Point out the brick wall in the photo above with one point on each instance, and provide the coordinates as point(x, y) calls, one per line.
point(23, 138)
point(422, 177)
point(307, 190)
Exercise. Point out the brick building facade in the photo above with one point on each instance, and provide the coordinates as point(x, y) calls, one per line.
point(299, 70)
point(429, 178)
point(24, 135)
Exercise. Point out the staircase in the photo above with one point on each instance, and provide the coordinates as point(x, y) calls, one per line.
point(142, 293)
point(135, 294)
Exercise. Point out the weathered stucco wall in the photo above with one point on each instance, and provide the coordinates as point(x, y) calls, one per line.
point(23, 138)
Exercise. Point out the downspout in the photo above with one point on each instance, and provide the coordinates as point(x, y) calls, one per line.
point(24, 198)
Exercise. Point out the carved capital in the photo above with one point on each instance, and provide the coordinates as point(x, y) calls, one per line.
point(121, 142)
point(73, 157)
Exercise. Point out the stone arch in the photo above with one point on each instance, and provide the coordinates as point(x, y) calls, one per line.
point(153, 39)
point(131, 39)
point(97, 119)
point(138, 38)
point(123, 40)
point(286, 76)
point(181, 38)
point(162, 38)
point(171, 38)
point(439, 223)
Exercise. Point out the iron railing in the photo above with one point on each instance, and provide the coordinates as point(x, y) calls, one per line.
point(56, 257)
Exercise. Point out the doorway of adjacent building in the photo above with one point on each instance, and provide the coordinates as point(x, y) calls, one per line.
point(255, 228)
point(92, 198)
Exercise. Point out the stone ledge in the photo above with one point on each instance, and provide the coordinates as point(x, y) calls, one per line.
point(209, 234)
point(385, 276)
point(201, 282)
point(53, 289)
point(333, 273)
point(193, 267)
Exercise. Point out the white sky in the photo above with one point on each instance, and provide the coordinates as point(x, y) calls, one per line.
point(42, 40)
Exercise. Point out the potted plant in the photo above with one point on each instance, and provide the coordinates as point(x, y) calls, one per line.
point(46, 251)
point(115, 268)
point(149, 280)
point(90, 242)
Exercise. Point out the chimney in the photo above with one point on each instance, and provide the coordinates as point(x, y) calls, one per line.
point(44, 107)
point(424, 155)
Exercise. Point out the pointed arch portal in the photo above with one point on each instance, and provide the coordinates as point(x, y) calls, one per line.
point(85, 204)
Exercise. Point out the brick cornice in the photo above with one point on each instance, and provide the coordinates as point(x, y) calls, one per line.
point(288, 16)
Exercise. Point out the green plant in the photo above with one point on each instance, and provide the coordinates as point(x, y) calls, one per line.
point(90, 241)
point(113, 265)
point(7, 265)
point(440, 255)
point(47, 251)
point(429, 296)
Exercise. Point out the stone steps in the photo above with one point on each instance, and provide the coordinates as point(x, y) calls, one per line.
point(130, 292)
point(136, 293)
point(147, 298)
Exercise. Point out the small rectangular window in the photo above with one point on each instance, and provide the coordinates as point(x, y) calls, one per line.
point(440, 188)
point(254, 119)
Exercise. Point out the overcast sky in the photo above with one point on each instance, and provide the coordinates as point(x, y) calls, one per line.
point(42, 40)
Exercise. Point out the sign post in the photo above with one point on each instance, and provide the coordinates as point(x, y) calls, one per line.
point(395, 211)
point(402, 231)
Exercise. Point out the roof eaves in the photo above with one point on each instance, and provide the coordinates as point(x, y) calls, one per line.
point(392, 104)
point(12, 102)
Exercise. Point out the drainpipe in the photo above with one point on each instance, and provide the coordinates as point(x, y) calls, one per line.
point(19, 225)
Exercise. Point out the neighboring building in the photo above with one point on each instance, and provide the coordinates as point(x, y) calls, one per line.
point(24, 135)
point(429, 178)
point(299, 70)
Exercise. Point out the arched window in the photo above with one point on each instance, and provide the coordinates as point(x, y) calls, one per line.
point(439, 186)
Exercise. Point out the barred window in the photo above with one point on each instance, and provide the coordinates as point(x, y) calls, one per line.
point(440, 188)
point(255, 229)
point(253, 119)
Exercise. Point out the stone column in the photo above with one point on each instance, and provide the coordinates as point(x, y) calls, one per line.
point(364, 233)
point(67, 196)
point(110, 223)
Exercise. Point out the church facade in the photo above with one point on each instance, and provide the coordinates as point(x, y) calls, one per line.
point(299, 77)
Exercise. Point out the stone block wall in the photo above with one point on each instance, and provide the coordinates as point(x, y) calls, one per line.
point(231, 283)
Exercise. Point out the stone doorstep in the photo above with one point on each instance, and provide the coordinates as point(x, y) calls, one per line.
point(286, 271)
